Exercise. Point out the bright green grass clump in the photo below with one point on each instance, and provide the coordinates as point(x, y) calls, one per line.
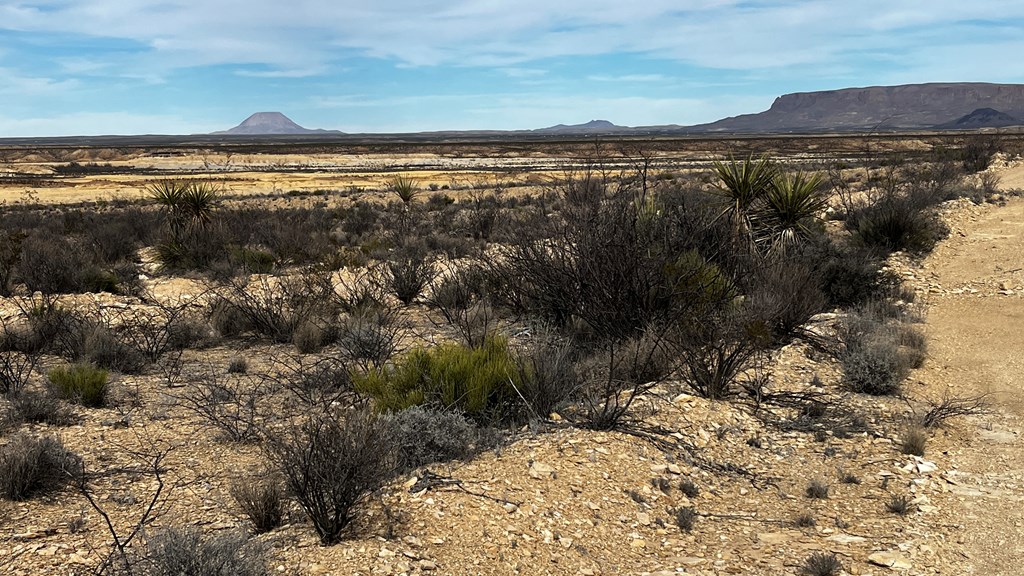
point(81, 383)
point(480, 381)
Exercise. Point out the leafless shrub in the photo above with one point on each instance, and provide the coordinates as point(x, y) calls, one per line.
point(320, 384)
point(370, 336)
point(817, 489)
point(409, 271)
point(332, 465)
point(232, 404)
point(940, 411)
point(547, 372)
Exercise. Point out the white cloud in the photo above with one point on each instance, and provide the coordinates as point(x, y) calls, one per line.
point(305, 34)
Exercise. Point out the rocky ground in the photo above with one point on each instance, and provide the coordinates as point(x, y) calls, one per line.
point(560, 500)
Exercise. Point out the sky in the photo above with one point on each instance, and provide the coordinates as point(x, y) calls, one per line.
point(88, 67)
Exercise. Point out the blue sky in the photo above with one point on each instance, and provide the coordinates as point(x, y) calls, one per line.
point(70, 67)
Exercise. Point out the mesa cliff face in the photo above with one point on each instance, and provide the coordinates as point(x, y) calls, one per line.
point(912, 106)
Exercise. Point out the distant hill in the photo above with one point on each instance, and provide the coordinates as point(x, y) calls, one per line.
point(271, 123)
point(906, 107)
point(982, 118)
point(592, 127)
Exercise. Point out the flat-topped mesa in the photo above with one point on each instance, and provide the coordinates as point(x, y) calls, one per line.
point(911, 106)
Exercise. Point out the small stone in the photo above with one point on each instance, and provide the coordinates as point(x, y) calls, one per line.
point(643, 518)
point(428, 565)
point(638, 543)
point(539, 470)
point(511, 508)
point(890, 560)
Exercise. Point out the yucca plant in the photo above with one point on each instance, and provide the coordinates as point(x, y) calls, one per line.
point(187, 204)
point(405, 188)
point(744, 184)
point(792, 205)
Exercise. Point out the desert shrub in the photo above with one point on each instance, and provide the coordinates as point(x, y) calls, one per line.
point(899, 504)
point(276, 308)
point(31, 465)
point(230, 404)
point(977, 152)
point(226, 318)
point(409, 271)
point(82, 383)
point(817, 489)
point(16, 368)
point(873, 355)
point(308, 338)
point(424, 435)
point(547, 373)
point(238, 365)
point(53, 264)
point(39, 406)
point(939, 411)
point(783, 295)
point(821, 564)
point(261, 500)
point(685, 519)
point(10, 253)
point(477, 381)
point(805, 520)
point(895, 223)
point(176, 552)
point(689, 488)
point(251, 260)
point(359, 219)
point(611, 378)
point(186, 331)
point(321, 384)
point(848, 274)
point(104, 349)
point(719, 354)
point(913, 440)
point(330, 466)
point(370, 335)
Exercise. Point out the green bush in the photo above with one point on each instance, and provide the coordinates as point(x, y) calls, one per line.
point(81, 383)
point(477, 381)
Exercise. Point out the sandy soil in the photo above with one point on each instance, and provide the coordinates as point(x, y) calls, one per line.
point(976, 345)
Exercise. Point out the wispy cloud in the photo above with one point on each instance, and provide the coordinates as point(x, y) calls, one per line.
point(681, 59)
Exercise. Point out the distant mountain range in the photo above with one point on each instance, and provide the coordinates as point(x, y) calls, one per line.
point(937, 106)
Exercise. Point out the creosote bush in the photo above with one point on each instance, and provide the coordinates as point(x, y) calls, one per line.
point(479, 382)
point(31, 466)
point(686, 518)
point(84, 384)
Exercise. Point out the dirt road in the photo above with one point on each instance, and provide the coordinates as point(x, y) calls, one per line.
point(976, 338)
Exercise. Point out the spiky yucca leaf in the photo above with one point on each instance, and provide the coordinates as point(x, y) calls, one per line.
point(792, 205)
point(745, 183)
point(405, 188)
